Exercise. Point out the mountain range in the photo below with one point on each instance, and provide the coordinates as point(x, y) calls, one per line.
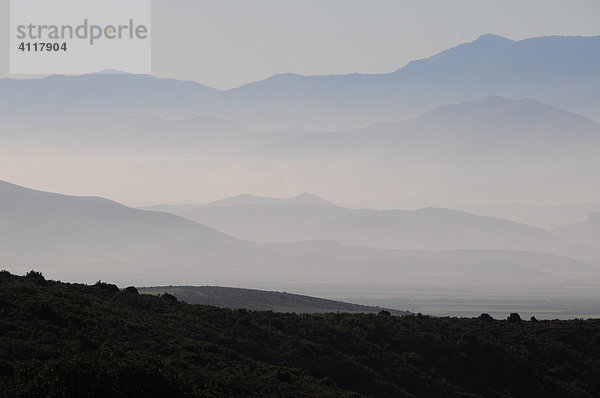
point(426, 161)
point(561, 71)
point(521, 111)
point(82, 237)
point(477, 126)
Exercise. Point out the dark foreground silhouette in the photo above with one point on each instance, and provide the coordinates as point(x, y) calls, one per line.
point(68, 340)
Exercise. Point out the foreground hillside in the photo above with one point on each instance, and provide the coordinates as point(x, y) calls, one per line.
point(60, 339)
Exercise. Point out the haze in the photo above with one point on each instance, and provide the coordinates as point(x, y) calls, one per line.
point(461, 163)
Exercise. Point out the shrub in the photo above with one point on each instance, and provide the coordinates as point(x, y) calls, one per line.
point(514, 317)
point(131, 290)
point(486, 317)
point(37, 277)
point(109, 287)
point(169, 297)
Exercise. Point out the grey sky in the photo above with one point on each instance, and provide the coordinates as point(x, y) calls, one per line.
point(226, 43)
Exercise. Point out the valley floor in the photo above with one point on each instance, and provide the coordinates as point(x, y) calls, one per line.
point(551, 302)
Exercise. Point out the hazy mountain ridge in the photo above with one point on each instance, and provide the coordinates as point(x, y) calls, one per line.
point(80, 235)
point(547, 217)
point(65, 235)
point(26, 211)
point(99, 98)
point(493, 131)
point(424, 229)
point(585, 233)
point(494, 126)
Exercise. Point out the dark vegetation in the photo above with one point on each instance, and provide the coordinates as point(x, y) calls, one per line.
point(68, 340)
point(260, 300)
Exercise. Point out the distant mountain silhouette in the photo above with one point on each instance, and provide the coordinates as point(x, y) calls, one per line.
point(561, 71)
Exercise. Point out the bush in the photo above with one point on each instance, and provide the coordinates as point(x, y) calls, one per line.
point(131, 290)
point(37, 277)
point(486, 317)
point(96, 377)
point(514, 317)
point(169, 297)
point(109, 287)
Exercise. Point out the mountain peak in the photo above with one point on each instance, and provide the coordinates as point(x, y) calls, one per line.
point(499, 111)
point(309, 198)
point(109, 72)
point(246, 199)
point(490, 37)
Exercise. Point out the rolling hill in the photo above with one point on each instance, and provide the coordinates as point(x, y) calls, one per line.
point(260, 300)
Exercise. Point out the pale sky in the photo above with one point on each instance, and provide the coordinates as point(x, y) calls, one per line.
point(226, 43)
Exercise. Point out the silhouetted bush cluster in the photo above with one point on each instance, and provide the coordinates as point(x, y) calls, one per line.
point(63, 340)
point(37, 277)
point(107, 287)
point(131, 290)
point(169, 297)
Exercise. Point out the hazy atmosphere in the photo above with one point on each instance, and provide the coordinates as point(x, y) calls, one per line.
point(332, 198)
point(466, 151)
point(226, 44)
